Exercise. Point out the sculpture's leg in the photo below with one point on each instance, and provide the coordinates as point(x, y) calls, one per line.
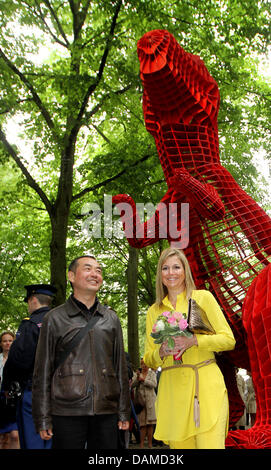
point(257, 322)
point(255, 223)
point(236, 403)
point(203, 197)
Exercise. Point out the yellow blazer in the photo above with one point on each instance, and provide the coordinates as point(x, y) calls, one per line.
point(175, 398)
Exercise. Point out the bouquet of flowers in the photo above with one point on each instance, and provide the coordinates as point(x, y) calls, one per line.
point(169, 325)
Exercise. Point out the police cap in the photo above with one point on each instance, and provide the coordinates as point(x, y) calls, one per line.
point(45, 289)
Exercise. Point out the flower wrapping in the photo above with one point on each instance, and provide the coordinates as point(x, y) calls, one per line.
point(168, 326)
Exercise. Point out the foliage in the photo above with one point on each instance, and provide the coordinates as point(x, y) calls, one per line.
point(69, 77)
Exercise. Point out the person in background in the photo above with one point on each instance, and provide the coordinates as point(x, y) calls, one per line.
point(183, 421)
point(145, 379)
point(83, 401)
point(9, 438)
point(20, 363)
point(251, 401)
point(6, 340)
point(242, 388)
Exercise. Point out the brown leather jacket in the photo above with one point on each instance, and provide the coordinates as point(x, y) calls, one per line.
point(94, 377)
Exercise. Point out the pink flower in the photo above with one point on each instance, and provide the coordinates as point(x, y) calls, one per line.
point(172, 321)
point(166, 314)
point(178, 315)
point(183, 324)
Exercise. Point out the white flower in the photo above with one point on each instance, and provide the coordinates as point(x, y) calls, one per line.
point(160, 326)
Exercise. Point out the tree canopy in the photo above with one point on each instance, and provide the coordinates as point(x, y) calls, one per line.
point(70, 80)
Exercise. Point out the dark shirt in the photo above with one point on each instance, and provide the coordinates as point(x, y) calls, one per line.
point(84, 309)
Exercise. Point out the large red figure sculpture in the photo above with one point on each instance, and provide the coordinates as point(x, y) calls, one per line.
point(230, 235)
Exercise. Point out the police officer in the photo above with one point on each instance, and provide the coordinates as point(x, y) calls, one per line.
point(20, 363)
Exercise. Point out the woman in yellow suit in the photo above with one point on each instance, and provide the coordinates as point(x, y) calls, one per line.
point(181, 423)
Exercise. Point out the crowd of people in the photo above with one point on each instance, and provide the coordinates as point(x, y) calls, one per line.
point(73, 383)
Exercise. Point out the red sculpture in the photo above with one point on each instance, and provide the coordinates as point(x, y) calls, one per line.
point(230, 235)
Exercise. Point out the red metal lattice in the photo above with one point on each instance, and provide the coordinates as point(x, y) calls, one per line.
point(229, 234)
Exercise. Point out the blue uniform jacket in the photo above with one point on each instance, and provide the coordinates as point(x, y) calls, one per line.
point(20, 363)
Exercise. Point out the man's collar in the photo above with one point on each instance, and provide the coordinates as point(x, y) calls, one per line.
point(83, 307)
point(45, 308)
point(74, 306)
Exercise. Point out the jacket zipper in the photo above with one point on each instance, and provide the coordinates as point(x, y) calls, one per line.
point(93, 371)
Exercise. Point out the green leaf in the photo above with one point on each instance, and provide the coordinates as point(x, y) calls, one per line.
point(171, 343)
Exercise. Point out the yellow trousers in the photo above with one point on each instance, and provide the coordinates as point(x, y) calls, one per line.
point(212, 439)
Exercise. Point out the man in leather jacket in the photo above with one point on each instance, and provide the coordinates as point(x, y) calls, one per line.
point(82, 402)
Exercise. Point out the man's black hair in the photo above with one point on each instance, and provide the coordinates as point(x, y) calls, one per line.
point(73, 264)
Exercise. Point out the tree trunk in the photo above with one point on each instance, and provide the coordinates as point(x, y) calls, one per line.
point(59, 223)
point(148, 284)
point(132, 281)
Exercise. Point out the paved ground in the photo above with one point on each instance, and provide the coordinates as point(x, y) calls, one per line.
point(134, 445)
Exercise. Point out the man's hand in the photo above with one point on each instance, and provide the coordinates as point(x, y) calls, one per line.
point(123, 425)
point(46, 434)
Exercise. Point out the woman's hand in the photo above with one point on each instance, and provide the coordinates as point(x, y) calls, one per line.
point(166, 351)
point(182, 343)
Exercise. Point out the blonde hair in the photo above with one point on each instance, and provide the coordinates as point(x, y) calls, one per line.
point(161, 290)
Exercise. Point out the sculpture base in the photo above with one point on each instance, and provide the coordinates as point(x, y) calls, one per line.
point(257, 437)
